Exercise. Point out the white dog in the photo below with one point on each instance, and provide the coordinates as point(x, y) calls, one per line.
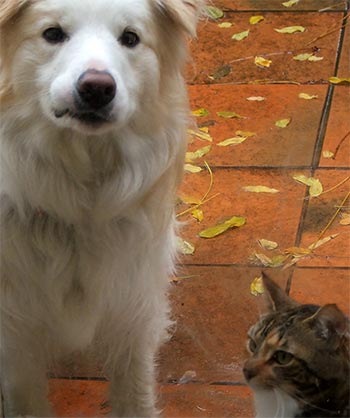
point(93, 127)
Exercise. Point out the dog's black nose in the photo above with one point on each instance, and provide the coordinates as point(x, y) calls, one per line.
point(96, 88)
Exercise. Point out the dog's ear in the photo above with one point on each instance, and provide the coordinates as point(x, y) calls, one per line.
point(9, 9)
point(182, 12)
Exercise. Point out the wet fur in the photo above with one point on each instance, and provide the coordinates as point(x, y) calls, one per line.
point(87, 229)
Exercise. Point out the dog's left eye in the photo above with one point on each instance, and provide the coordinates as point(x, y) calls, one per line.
point(129, 39)
point(54, 35)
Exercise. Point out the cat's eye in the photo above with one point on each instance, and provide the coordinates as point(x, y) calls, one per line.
point(252, 345)
point(283, 357)
point(54, 35)
point(129, 39)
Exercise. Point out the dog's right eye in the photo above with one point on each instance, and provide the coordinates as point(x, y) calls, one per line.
point(54, 35)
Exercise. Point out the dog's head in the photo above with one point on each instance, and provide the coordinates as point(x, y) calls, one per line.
point(91, 65)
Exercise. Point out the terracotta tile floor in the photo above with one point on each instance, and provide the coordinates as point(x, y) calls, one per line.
point(211, 299)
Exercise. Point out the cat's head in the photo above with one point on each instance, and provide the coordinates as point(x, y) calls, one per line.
point(296, 348)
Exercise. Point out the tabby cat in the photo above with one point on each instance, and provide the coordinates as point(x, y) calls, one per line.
point(299, 364)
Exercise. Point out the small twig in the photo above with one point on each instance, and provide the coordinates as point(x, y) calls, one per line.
point(211, 181)
point(333, 218)
point(331, 7)
point(339, 145)
point(329, 32)
point(196, 206)
point(336, 186)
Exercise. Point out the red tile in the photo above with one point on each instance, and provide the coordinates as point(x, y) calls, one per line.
point(344, 65)
point(270, 216)
point(79, 398)
point(213, 309)
point(88, 399)
point(206, 401)
point(240, 5)
point(338, 130)
point(272, 146)
point(322, 286)
point(215, 48)
point(319, 213)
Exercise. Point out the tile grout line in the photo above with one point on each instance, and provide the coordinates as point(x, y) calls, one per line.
point(250, 266)
point(321, 133)
point(270, 167)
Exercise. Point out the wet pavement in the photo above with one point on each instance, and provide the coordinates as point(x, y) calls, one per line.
point(200, 367)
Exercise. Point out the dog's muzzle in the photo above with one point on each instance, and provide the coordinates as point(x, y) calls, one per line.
point(93, 96)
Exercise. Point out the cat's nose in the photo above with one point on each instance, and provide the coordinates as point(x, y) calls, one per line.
point(249, 373)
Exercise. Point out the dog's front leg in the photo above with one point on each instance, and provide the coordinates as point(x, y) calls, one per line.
point(23, 381)
point(133, 384)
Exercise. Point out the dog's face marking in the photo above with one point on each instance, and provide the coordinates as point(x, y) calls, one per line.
point(87, 72)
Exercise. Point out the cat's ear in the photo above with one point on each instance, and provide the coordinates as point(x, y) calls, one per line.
point(275, 297)
point(329, 321)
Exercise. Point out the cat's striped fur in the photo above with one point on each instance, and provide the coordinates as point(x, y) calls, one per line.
point(299, 364)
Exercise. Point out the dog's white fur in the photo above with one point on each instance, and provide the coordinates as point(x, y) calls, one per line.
point(87, 229)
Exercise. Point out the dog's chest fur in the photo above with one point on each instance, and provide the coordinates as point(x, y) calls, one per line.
point(83, 216)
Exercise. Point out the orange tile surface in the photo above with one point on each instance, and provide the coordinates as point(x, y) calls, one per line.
point(216, 49)
point(322, 286)
point(200, 367)
point(250, 5)
point(272, 216)
point(83, 398)
point(214, 309)
point(271, 146)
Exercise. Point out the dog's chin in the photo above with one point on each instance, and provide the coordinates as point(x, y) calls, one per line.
point(90, 123)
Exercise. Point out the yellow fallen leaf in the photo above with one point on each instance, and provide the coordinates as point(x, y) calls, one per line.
point(198, 214)
point(283, 123)
point(278, 261)
point(246, 134)
point(290, 3)
point(240, 36)
point(190, 156)
point(291, 29)
point(200, 112)
point(322, 241)
point(267, 245)
point(302, 57)
point(338, 80)
point(232, 141)
point(264, 259)
point(345, 220)
point(253, 20)
point(201, 135)
point(262, 62)
point(256, 98)
point(229, 115)
point(190, 200)
point(297, 251)
point(184, 247)
point(257, 286)
point(235, 221)
point(327, 154)
point(307, 96)
point(221, 72)
point(214, 12)
point(314, 58)
point(192, 168)
point(260, 189)
point(315, 186)
point(225, 25)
